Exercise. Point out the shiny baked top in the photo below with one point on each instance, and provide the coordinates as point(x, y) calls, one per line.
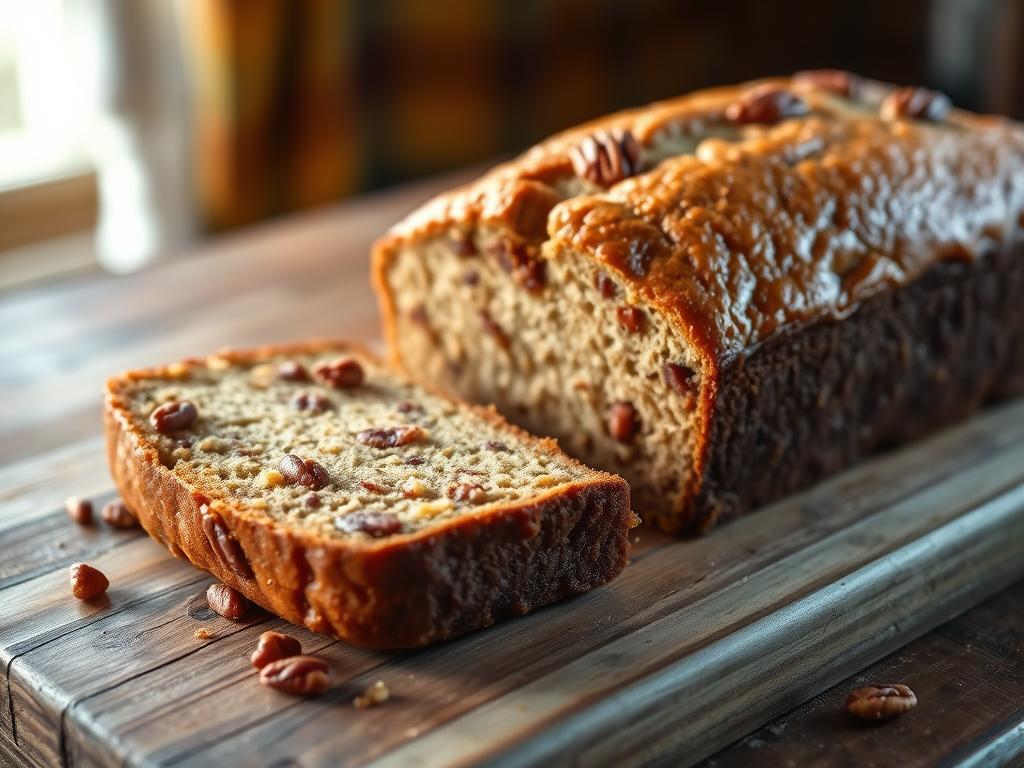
point(752, 209)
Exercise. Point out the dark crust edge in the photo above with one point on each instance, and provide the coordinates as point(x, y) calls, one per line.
point(938, 349)
point(402, 592)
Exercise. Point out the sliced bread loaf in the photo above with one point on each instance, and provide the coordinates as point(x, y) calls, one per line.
point(339, 496)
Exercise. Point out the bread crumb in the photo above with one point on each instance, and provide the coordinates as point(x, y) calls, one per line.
point(376, 694)
point(213, 444)
point(203, 633)
point(545, 481)
point(414, 488)
point(182, 453)
point(271, 478)
point(218, 363)
point(434, 508)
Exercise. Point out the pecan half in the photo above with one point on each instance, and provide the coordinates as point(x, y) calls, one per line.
point(87, 582)
point(605, 158)
point(225, 547)
point(765, 104)
point(880, 702)
point(299, 471)
point(391, 437)
point(173, 416)
point(117, 515)
point(79, 510)
point(292, 370)
point(343, 373)
point(837, 81)
point(631, 318)
point(375, 524)
point(468, 492)
point(274, 646)
point(622, 421)
point(297, 675)
point(228, 602)
point(915, 104)
point(310, 402)
point(680, 378)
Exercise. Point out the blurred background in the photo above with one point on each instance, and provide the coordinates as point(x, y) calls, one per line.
point(132, 129)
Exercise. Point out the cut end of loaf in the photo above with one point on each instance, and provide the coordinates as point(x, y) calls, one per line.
point(394, 458)
point(562, 347)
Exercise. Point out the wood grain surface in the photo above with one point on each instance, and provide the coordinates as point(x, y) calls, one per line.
point(696, 645)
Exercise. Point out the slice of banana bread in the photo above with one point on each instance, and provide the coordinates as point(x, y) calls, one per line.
point(337, 495)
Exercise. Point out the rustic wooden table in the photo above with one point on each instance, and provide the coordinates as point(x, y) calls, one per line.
point(697, 645)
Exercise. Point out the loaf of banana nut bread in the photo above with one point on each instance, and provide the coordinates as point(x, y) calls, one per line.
point(337, 495)
point(727, 296)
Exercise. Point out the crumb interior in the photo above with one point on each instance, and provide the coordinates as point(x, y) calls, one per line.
point(248, 422)
point(562, 361)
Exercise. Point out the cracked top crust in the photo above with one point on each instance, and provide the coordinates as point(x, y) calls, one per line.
point(757, 208)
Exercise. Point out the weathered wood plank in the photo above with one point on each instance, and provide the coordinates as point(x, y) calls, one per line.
point(597, 710)
point(140, 574)
point(968, 676)
point(800, 544)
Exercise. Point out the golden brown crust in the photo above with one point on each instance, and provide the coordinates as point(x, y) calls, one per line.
point(403, 591)
point(755, 229)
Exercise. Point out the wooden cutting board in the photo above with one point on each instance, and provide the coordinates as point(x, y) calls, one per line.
point(696, 644)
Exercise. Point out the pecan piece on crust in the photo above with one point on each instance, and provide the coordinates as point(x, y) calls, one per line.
point(225, 547)
point(765, 104)
point(605, 158)
point(880, 702)
point(915, 104)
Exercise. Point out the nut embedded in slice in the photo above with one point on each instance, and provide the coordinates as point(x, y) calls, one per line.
point(174, 416)
point(343, 373)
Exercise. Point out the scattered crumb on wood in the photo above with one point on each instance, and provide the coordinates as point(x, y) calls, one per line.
point(203, 633)
point(376, 694)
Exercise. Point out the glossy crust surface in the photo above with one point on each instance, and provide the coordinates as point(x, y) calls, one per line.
point(740, 233)
point(404, 591)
